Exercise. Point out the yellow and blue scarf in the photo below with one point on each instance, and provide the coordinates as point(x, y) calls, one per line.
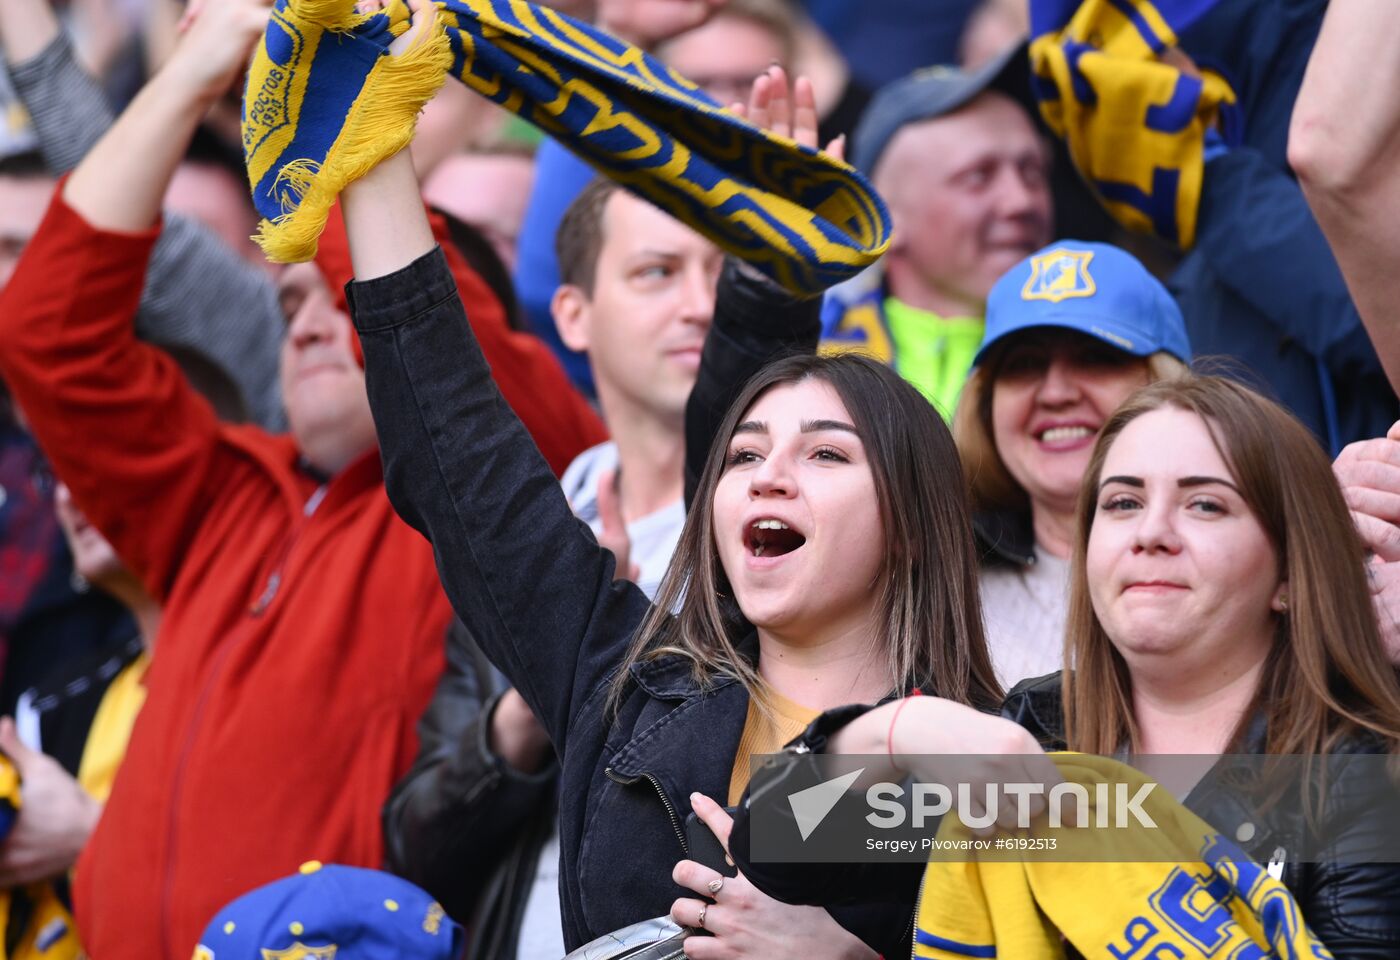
point(1136, 127)
point(1192, 893)
point(324, 103)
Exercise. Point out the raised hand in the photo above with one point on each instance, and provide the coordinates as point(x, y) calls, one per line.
point(787, 110)
point(1369, 474)
point(217, 40)
point(384, 217)
point(423, 14)
point(120, 183)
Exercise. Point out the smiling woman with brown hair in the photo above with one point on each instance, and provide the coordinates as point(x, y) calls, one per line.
point(1071, 332)
point(1219, 605)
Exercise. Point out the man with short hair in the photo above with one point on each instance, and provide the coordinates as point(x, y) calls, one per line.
point(303, 620)
point(637, 298)
point(966, 177)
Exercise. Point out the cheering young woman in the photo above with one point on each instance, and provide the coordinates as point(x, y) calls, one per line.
point(827, 559)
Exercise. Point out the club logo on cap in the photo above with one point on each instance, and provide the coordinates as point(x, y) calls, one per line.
point(300, 951)
point(1059, 275)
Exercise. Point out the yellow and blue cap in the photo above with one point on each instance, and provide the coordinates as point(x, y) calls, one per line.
point(332, 913)
point(1092, 288)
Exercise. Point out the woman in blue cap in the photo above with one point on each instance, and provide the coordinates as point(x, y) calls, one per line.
point(1070, 332)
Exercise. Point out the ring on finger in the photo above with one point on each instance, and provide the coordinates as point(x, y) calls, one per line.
point(715, 885)
point(701, 921)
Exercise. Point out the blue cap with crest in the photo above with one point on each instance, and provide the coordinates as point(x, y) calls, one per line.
point(1092, 288)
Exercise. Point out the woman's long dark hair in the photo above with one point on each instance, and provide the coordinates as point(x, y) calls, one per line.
point(930, 615)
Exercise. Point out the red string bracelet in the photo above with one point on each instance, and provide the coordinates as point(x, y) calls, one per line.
point(889, 737)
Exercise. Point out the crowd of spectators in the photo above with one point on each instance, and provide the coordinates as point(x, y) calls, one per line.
point(491, 547)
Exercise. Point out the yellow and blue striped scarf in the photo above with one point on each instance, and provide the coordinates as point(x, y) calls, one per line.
point(325, 102)
point(1192, 894)
point(1136, 126)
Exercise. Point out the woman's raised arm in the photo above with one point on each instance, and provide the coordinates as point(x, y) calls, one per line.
point(522, 572)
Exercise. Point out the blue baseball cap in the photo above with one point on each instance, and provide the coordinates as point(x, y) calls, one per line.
point(332, 913)
point(932, 92)
point(1092, 288)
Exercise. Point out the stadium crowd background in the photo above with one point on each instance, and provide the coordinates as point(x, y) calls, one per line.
point(224, 654)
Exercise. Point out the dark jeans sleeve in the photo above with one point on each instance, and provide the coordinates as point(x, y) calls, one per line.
point(526, 577)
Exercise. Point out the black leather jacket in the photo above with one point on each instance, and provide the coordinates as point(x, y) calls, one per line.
point(1004, 538)
point(1354, 908)
point(463, 824)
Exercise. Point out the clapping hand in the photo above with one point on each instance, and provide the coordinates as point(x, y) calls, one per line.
point(614, 534)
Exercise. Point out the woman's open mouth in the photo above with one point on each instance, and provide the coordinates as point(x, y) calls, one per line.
point(767, 537)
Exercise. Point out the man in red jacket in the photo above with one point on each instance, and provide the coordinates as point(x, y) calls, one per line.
point(303, 620)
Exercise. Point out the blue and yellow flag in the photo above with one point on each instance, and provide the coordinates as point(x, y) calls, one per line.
point(325, 102)
point(1136, 126)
